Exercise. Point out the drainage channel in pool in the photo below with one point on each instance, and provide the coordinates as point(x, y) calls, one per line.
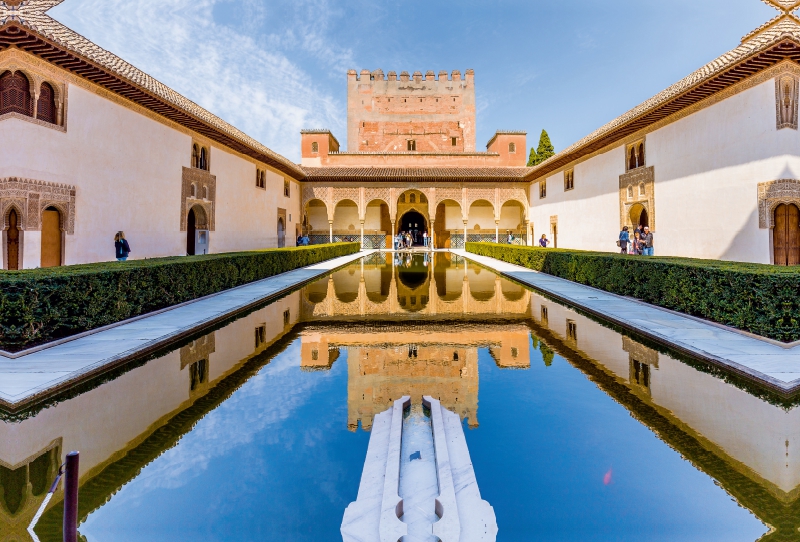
point(259, 430)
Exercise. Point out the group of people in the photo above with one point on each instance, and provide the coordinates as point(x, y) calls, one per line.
point(641, 243)
point(405, 240)
point(303, 240)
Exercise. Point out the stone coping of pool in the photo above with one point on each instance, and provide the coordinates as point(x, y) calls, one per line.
point(775, 365)
point(63, 364)
point(377, 513)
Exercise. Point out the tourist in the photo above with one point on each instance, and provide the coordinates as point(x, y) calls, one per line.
point(397, 241)
point(544, 241)
point(425, 238)
point(510, 238)
point(122, 247)
point(300, 240)
point(636, 244)
point(624, 239)
point(647, 242)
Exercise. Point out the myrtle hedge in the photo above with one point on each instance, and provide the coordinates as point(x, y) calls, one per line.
point(41, 305)
point(761, 299)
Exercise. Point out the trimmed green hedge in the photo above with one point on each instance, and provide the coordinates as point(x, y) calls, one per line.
point(41, 305)
point(761, 299)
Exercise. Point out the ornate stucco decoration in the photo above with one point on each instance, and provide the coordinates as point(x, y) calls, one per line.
point(773, 193)
point(637, 191)
point(199, 189)
point(30, 198)
point(38, 72)
point(787, 87)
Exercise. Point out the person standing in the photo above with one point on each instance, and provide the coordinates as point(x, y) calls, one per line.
point(544, 241)
point(647, 241)
point(121, 246)
point(425, 238)
point(624, 239)
point(510, 238)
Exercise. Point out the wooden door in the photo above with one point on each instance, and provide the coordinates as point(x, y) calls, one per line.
point(12, 241)
point(51, 238)
point(786, 235)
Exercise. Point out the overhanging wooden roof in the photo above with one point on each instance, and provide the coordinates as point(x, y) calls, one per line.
point(28, 27)
point(774, 42)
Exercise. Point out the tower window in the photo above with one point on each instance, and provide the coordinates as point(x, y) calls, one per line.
point(454, 141)
point(512, 147)
point(412, 145)
point(315, 147)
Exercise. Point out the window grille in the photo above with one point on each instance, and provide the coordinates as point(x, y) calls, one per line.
point(15, 94)
point(569, 180)
point(542, 189)
point(46, 108)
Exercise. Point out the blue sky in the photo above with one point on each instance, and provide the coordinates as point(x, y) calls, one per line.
point(273, 67)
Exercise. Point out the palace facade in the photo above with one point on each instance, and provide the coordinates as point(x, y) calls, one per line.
point(93, 146)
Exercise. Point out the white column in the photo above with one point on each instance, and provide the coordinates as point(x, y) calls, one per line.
point(330, 230)
point(362, 235)
point(393, 234)
point(465, 234)
point(496, 231)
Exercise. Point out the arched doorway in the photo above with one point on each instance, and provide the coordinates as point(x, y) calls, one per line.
point(12, 241)
point(414, 223)
point(51, 238)
point(639, 216)
point(281, 233)
point(786, 235)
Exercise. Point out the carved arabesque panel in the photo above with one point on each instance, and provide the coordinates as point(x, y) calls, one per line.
point(773, 193)
point(787, 86)
point(631, 186)
point(30, 197)
point(204, 185)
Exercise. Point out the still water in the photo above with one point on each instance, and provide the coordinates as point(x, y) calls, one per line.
point(258, 430)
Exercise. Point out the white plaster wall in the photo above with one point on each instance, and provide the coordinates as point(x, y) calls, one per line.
point(452, 216)
point(346, 216)
point(318, 219)
point(707, 170)
point(511, 217)
point(372, 219)
point(481, 215)
point(127, 171)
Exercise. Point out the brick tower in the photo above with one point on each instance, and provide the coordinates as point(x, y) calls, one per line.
point(412, 113)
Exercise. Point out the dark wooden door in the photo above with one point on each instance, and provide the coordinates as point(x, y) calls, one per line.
point(786, 235)
point(12, 241)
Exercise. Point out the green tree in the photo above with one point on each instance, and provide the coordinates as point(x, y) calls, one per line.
point(547, 355)
point(544, 151)
point(532, 158)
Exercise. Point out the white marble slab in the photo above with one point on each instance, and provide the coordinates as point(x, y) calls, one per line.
point(776, 365)
point(31, 376)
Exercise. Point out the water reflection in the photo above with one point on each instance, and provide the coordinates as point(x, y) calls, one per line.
point(407, 326)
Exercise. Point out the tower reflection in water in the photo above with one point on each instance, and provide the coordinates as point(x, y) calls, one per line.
point(412, 325)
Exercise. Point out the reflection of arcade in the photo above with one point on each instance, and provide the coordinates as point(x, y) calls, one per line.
point(747, 444)
point(442, 362)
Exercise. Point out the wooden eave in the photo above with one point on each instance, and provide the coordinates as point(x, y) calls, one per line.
point(787, 49)
point(13, 34)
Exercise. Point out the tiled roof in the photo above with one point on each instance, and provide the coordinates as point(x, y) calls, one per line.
point(420, 174)
point(773, 42)
point(32, 17)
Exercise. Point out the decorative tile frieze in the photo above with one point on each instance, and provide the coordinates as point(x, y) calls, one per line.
point(31, 197)
point(199, 188)
point(773, 193)
point(637, 192)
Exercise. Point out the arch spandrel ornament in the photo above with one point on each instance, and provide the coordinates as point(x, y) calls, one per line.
point(31, 197)
point(448, 193)
point(773, 193)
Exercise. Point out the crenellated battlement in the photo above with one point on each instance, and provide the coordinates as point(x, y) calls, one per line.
point(417, 76)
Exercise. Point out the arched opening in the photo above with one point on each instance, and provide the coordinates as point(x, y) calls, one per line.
point(195, 156)
point(414, 223)
point(449, 225)
point(51, 238)
point(480, 222)
point(15, 94)
point(12, 235)
point(481, 285)
point(448, 277)
point(345, 285)
point(378, 281)
point(196, 220)
point(377, 225)
point(786, 235)
point(203, 162)
point(413, 279)
point(315, 222)
point(281, 232)
point(512, 223)
point(632, 159)
point(639, 217)
point(46, 108)
point(346, 222)
point(511, 290)
point(317, 291)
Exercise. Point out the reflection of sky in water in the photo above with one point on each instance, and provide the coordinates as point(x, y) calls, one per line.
point(557, 457)
point(276, 462)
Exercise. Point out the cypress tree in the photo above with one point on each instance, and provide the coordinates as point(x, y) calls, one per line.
point(532, 158)
point(545, 149)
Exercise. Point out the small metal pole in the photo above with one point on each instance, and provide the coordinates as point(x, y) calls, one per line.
point(71, 498)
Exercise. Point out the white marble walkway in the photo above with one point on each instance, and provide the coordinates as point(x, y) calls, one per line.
point(774, 364)
point(30, 376)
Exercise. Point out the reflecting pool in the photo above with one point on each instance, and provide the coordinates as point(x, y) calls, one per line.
point(258, 430)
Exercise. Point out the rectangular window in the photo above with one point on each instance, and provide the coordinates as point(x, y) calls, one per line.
point(412, 145)
point(286, 317)
point(261, 335)
point(542, 189)
point(454, 141)
point(569, 180)
point(287, 188)
point(572, 330)
point(544, 315)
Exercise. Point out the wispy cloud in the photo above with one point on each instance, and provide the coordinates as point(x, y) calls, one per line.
point(233, 74)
